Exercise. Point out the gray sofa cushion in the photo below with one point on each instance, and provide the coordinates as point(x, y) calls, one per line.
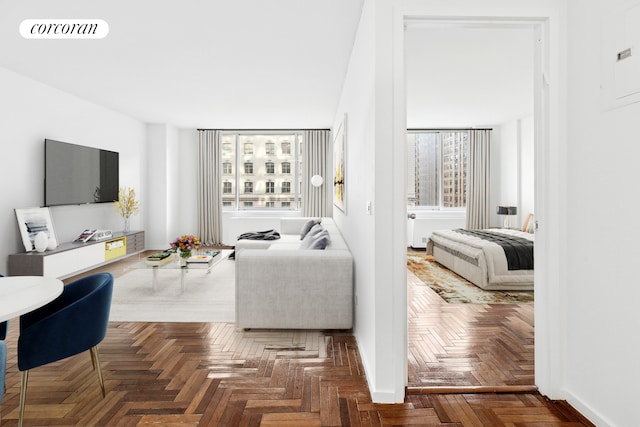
point(320, 240)
point(310, 236)
point(308, 226)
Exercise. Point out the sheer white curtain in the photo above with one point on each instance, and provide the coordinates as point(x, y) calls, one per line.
point(315, 162)
point(209, 188)
point(478, 180)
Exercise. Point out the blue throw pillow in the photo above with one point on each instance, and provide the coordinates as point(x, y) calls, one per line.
point(308, 226)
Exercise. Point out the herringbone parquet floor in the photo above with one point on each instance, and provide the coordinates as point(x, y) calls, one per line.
point(201, 374)
point(191, 374)
point(468, 345)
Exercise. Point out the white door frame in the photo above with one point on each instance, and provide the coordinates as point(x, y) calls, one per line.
point(550, 177)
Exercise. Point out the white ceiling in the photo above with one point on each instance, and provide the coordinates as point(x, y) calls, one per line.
point(260, 63)
point(213, 63)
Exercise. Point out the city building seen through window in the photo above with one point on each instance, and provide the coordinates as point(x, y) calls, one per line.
point(437, 169)
point(261, 170)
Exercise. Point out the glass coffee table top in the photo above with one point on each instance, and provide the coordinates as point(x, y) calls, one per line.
point(173, 263)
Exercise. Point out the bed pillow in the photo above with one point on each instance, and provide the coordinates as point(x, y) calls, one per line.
point(308, 226)
point(528, 224)
point(531, 225)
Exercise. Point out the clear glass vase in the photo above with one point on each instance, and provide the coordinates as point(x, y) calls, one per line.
point(184, 256)
point(127, 226)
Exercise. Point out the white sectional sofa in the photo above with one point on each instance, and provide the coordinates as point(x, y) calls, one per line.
point(279, 285)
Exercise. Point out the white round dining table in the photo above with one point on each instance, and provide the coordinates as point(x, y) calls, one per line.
point(22, 294)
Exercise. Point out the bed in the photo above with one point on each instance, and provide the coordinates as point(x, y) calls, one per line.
point(479, 256)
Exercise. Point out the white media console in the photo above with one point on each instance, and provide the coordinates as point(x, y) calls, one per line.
point(73, 258)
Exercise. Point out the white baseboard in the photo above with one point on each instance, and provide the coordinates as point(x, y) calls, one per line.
point(587, 411)
point(385, 397)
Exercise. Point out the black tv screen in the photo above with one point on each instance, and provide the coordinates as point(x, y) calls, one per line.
point(75, 174)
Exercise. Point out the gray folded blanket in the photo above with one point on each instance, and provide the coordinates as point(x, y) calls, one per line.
point(260, 235)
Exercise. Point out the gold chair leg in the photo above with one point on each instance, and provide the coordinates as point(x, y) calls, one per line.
point(23, 394)
point(93, 359)
point(96, 364)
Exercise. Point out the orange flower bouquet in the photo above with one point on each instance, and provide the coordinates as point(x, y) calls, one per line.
point(185, 244)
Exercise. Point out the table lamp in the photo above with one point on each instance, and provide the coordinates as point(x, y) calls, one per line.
point(507, 211)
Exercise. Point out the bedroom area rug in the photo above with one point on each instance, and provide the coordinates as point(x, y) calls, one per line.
point(455, 289)
point(207, 298)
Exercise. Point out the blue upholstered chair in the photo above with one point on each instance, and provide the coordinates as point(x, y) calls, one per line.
point(3, 357)
point(3, 366)
point(3, 326)
point(74, 322)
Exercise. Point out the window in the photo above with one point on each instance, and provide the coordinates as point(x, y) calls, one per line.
point(270, 148)
point(227, 149)
point(270, 167)
point(249, 181)
point(437, 169)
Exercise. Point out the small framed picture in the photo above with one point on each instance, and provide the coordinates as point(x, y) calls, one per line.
point(31, 221)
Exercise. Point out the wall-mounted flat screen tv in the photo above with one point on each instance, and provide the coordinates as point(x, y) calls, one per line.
point(75, 174)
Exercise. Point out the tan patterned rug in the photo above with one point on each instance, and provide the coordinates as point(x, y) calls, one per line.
point(455, 289)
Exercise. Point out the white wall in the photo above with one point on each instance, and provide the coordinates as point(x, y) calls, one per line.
point(600, 298)
point(504, 150)
point(157, 234)
point(187, 181)
point(31, 112)
point(527, 168)
point(173, 180)
point(512, 170)
point(357, 102)
point(374, 156)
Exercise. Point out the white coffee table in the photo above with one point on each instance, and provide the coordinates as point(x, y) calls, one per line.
point(174, 264)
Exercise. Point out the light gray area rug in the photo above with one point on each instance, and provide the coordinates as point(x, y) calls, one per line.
point(208, 297)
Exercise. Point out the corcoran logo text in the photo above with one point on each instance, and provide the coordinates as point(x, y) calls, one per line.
point(64, 29)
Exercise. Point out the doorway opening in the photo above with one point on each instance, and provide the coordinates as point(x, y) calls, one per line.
point(470, 75)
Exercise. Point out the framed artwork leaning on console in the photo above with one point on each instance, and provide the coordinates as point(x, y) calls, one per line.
point(31, 221)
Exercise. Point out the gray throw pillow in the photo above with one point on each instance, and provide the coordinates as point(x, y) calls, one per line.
point(308, 226)
point(310, 236)
point(320, 241)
